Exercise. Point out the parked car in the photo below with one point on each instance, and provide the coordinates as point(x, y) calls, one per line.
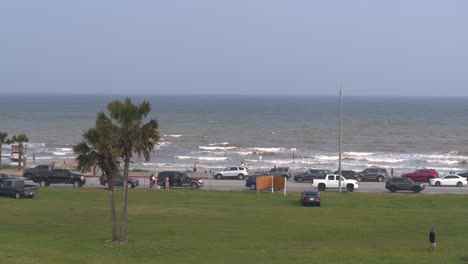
point(38, 171)
point(348, 174)
point(332, 181)
point(311, 174)
point(449, 180)
point(15, 187)
point(119, 181)
point(463, 174)
point(403, 184)
point(238, 172)
point(310, 197)
point(4, 176)
point(372, 174)
point(281, 171)
point(59, 176)
point(179, 179)
point(422, 175)
point(251, 182)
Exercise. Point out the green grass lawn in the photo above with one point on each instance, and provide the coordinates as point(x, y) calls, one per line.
point(65, 225)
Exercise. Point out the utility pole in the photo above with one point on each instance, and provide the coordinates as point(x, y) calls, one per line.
point(339, 144)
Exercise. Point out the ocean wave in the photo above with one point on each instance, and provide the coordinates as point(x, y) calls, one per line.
point(269, 150)
point(323, 157)
point(176, 136)
point(385, 160)
point(215, 148)
point(358, 153)
point(449, 162)
point(201, 158)
point(59, 153)
point(217, 144)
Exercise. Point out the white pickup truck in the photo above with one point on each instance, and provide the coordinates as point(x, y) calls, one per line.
point(331, 181)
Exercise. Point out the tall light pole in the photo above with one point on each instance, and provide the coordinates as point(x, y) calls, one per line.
point(339, 142)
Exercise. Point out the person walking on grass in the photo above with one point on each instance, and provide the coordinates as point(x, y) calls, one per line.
point(432, 240)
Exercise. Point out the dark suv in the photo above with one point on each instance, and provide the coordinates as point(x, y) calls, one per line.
point(372, 174)
point(312, 174)
point(281, 171)
point(348, 174)
point(119, 181)
point(179, 179)
point(400, 183)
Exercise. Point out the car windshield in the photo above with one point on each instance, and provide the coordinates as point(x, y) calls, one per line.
point(311, 193)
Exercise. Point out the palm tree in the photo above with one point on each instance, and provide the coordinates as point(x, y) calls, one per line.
point(92, 154)
point(128, 134)
point(3, 136)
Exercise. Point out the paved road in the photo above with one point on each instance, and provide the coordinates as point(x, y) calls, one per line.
point(239, 185)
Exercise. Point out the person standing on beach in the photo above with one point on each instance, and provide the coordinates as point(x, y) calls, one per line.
point(195, 166)
point(167, 184)
point(432, 240)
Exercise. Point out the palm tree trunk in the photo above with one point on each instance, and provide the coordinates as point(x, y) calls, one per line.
point(113, 212)
point(123, 230)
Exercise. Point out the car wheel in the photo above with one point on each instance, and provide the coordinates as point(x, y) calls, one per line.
point(380, 179)
point(416, 189)
point(459, 184)
point(360, 178)
point(43, 183)
point(437, 184)
point(31, 196)
point(193, 186)
point(76, 184)
point(130, 185)
point(300, 179)
point(392, 189)
point(321, 187)
point(350, 188)
point(219, 176)
point(318, 205)
point(240, 176)
point(253, 187)
point(17, 195)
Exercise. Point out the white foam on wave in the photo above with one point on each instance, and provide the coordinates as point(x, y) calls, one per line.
point(244, 153)
point(278, 161)
point(58, 153)
point(358, 153)
point(201, 158)
point(385, 160)
point(270, 150)
point(176, 136)
point(323, 157)
point(65, 149)
point(215, 148)
point(449, 162)
point(164, 143)
point(217, 144)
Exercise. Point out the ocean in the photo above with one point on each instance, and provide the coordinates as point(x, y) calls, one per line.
point(403, 133)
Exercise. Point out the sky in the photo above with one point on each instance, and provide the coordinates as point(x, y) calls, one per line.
point(241, 47)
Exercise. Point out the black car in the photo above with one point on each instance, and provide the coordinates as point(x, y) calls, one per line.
point(119, 181)
point(311, 174)
point(281, 171)
point(403, 184)
point(310, 197)
point(251, 182)
point(348, 174)
point(178, 179)
point(372, 174)
point(463, 174)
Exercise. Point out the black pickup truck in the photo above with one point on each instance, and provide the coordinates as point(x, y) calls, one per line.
point(39, 170)
point(15, 187)
point(59, 176)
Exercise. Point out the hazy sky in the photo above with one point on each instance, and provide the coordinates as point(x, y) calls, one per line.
point(235, 47)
